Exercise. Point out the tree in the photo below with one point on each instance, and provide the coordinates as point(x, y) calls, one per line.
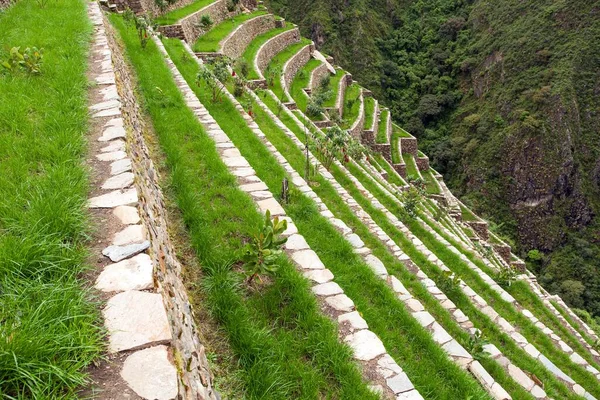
point(214, 78)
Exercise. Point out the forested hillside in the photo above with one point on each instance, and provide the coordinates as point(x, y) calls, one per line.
point(503, 96)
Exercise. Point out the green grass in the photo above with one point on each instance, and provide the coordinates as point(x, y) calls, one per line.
point(373, 298)
point(279, 61)
point(393, 176)
point(334, 87)
point(351, 105)
point(507, 310)
point(172, 17)
point(430, 181)
point(467, 215)
point(209, 42)
point(49, 329)
point(411, 166)
point(369, 112)
point(382, 137)
point(400, 132)
point(300, 82)
point(572, 322)
point(254, 46)
point(285, 351)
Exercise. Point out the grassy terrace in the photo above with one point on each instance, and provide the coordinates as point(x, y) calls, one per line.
point(334, 86)
point(351, 105)
point(404, 337)
point(467, 215)
point(341, 211)
point(493, 333)
point(411, 166)
point(48, 326)
point(572, 322)
point(288, 351)
point(279, 61)
point(453, 261)
point(430, 181)
point(382, 137)
point(393, 176)
point(254, 46)
point(209, 42)
point(300, 82)
point(400, 132)
point(369, 112)
point(172, 17)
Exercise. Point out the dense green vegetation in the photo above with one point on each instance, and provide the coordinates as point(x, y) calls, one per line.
point(369, 112)
point(48, 327)
point(209, 42)
point(501, 95)
point(300, 82)
point(254, 46)
point(291, 351)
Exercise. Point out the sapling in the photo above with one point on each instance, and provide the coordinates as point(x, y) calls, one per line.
point(261, 254)
point(215, 79)
point(476, 345)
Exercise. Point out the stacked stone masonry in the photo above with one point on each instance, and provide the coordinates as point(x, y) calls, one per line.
point(272, 47)
point(149, 315)
point(357, 127)
point(293, 65)
point(368, 348)
point(317, 75)
point(234, 45)
point(218, 11)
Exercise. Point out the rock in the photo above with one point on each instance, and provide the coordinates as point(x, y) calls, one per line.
point(340, 302)
point(454, 349)
point(252, 187)
point(235, 162)
point(376, 265)
point(112, 132)
point(327, 289)
point(319, 275)
point(440, 335)
point(538, 392)
point(520, 377)
point(355, 241)
point(135, 273)
point(307, 259)
point(414, 305)
point(120, 166)
point(135, 319)
point(387, 366)
point(272, 205)
point(131, 234)
point(114, 199)
point(354, 319)
point(424, 318)
point(118, 253)
point(120, 181)
point(296, 242)
point(410, 395)
point(365, 344)
point(400, 383)
point(111, 156)
point(127, 214)
point(116, 145)
point(150, 374)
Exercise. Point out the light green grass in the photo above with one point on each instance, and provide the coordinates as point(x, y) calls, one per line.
point(430, 181)
point(255, 45)
point(351, 105)
point(209, 42)
point(48, 327)
point(382, 134)
point(411, 165)
point(400, 132)
point(334, 87)
point(279, 61)
point(172, 17)
point(300, 82)
point(393, 176)
point(369, 112)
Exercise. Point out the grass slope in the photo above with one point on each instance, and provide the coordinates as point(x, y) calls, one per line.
point(255, 45)
point(172, 17)
point(48, 328)
point(209, 42)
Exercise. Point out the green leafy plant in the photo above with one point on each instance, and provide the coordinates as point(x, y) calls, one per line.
point(145, 28)
point(410, 200)
point(242, 66)
point(215, 77)
point(29, 60)
point(419, 184)
point(271, 74)
point(506, 276)
point(128, 15)
point(205, 22)
point(161, 4)
point(239, 86)
point(261, 254)
point(450, 282)
point(476, 345)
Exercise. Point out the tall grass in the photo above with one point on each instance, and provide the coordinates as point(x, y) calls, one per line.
point(48, 326)
point(285, 348)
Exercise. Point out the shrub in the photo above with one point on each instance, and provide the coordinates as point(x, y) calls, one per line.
point(410, 201)
point(205, 22)
point(505, 277)
point(476, 344)
point(161, 4)
point(260, 255)
point(29, 60)
point(324, 83)
point(144, 27)
point(242, 67)
point(239, 87)
point(215, 79)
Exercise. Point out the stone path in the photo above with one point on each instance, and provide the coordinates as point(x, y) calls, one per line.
point(138, 323)
point(369, 351)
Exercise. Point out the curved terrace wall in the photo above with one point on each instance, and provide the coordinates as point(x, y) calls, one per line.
point(150, 7)
point(317, 76)
point(235, 43)
point(339, 102)
point(273, 46)
point(293, 65)
point(217, 12)
point(357, 127)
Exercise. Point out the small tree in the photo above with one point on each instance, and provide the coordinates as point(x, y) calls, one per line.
point(410, 199)
point(506, 276)
point(476, 346)
point(242, 66)
point(260, 255)
point(271, 74)
point(205, 22)
point(214, 79)
point(144, 27)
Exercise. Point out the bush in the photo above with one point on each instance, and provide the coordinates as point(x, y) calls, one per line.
point(205, 22)
point(242, 66)
point(29, 60)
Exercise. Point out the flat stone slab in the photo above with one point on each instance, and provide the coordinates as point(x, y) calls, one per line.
point(296, 242)
point(410, 395)
point(127, 215)
point(376, 265)
point(400, 383)
point(340, 302)
point(327, 289)
point(319, 275)
point(387, 367)
point(131, 234)
point(454, 349)
point(112, 156)
point(112, 132)
point(120, 181)
point(354, 319)
point(307, 259)
point(365, 344)
point(135, 273)
point(150, 374)
point(118, 253)
point(120, 166)
point(355, 241)
point(272, 205)
point(116, 145)
point(135, 319)
point(114, 199)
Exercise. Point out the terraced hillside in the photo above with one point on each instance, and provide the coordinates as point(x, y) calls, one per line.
point(263, 229)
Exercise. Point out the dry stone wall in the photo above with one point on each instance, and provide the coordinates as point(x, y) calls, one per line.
point(167, 307)
point(273, 46)
point(357, 127)
point(217, 11)
point(293, 65)
point(235, 43)
point(317, 76)
point(409, 145)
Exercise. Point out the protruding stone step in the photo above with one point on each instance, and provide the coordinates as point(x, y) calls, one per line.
point(136, 319)
point(118, 253)
point(150, 374)
point(135, 273)
point(365, 344)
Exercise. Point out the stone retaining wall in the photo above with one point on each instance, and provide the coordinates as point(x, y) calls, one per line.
point(503, 251)
point(385, 149)
point(409, 145)
point(357, 128)
point(422, 163)
point(272, 47)
point(293, 65)
point(194, 379)
point(172, 31)
point(234, 45)
point(150, 7)
point(480, 228)
point(317, 76)
point(217, 11)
